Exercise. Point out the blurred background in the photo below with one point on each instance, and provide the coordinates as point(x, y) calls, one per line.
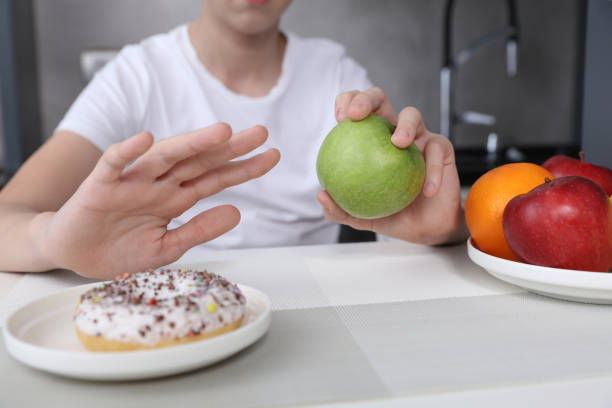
point(506, 80)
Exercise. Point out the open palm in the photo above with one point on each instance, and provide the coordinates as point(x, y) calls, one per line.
point(117, 220)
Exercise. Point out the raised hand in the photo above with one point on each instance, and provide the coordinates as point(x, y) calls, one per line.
point(435, 216)
point(117, 220)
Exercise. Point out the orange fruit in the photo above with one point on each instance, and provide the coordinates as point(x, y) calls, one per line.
point(487, 198)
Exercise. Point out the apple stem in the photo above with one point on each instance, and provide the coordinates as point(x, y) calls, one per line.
point(581, 155)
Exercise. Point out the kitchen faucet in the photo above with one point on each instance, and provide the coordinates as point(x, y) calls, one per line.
point(451, 64)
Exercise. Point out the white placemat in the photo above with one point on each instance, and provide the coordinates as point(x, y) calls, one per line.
point(34, 285)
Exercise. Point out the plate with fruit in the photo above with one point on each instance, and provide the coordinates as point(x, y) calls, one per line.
point(566, 284)
point(545, 229)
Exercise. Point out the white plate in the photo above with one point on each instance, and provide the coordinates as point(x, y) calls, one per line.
point(41, 334)
point(566, 284)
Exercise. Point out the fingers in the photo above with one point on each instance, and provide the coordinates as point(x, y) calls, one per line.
point(238, 145)
point(231, 174)
point(167, 153)
point(342, 103)
point(204, 227)
point(409, 127)
point(119, 155)
point(438, 153)
point(334, 213)
point(357, 105)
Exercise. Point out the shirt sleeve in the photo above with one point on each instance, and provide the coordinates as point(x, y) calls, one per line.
point(353, 76)
point(111, 107)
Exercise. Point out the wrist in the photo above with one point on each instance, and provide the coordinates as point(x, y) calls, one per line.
point(38, 227)
point(459, 233)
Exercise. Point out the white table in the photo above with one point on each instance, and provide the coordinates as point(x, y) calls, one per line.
point(384, 324)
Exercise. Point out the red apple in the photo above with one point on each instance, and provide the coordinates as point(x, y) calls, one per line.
point(561, 166)
point(564, 223)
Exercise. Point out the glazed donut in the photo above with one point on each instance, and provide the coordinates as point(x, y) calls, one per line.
point(157, 309)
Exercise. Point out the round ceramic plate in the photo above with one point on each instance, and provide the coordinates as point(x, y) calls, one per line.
point(578, 286)
point(41, 334)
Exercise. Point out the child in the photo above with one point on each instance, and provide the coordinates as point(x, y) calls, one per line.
point(76, 204)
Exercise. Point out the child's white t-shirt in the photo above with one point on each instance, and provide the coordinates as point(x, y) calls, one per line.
point(161, 86)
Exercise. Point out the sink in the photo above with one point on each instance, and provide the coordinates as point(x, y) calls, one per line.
point(472, 163)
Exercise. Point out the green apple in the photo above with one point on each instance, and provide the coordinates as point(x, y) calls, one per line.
point(366, 174)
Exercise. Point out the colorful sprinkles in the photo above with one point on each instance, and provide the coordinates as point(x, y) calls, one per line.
point(152, 306)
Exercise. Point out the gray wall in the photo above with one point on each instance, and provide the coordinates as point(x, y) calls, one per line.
point(398, 41)
point(597, 119)
point(67, 27)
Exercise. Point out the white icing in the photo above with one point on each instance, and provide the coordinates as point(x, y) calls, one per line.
point(186, 302)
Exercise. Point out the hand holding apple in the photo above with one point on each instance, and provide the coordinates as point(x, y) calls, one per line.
point(435, 216)
point(564, 223)
point(366, 175)
point(561, 166)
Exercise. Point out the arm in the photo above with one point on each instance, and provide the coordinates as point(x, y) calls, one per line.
point(436, 215)
point(115, 220)
point(42, 184)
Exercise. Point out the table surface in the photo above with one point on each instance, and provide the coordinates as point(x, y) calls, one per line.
point(367, 325)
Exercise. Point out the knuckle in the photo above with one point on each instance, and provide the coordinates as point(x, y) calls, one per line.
point(225, 127)
point(343, 217)
point(411, 111)
point(446, 145)
point(113, 155)
point(219, 180)
point(328, 215)
point(360, 96)
point(378, 91)
point(203, 163)
point(333, 213)
point(363, 100)
point(442, 143)
point(196, 193)
point(165, 157)
point(112, 150)
point(345, 96)
point(433, 168)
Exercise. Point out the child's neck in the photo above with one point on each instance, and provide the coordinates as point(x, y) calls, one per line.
point(246, 64)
